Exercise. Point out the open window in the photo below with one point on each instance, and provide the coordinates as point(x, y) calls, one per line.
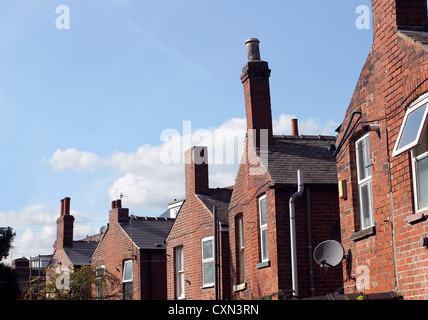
point(413, 128)
point(414, 136)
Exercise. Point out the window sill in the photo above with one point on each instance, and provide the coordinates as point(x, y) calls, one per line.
point(240, 287)
point(417, 217)
point(362, 234)
point(263, 264)
point(207, 286)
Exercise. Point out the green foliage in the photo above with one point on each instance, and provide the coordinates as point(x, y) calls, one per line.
point(85, 283)
point(360, 297)
point(9, 288)
point(6, 237)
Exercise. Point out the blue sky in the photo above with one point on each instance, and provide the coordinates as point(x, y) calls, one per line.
point(82, 110)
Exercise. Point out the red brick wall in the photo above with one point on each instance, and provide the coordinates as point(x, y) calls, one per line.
point(392, 258)
point(277, 276)
point(149, 266)
point(114, 249)
point(194, 223)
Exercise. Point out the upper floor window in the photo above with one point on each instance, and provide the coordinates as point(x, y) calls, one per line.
point(413, 127)
point(263, 228)
point(364, 175)
point(420, 173)
point(413, 136)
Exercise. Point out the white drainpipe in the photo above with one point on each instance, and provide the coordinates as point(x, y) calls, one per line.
point(293, 231)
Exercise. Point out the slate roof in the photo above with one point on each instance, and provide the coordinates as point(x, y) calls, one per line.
point(80, 253)
point(148, 232)
point(307, 153)
point(220, 198)
point(418, 38)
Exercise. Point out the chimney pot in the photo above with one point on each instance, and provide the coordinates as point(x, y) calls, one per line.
point(62, 208)
point(65, 206)
point(294, 127)
point(253, 50)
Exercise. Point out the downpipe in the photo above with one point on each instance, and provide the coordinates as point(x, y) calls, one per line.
point(300, 187)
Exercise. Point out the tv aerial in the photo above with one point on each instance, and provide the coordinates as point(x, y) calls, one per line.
point(329, 253)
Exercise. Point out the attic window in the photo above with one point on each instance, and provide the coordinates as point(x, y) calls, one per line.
point(413, 127)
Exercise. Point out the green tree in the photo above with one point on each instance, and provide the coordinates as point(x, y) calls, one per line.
point(9, 289)
point(83, 283)
point(6, 238)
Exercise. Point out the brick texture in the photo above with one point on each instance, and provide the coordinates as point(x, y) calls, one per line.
point(390, 80)
point(319, 201)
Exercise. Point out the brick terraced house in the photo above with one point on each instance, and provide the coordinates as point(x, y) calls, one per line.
point(198, 244)
point(67, 251)
point(263, 257)
point(382, 158)
point(133, 248)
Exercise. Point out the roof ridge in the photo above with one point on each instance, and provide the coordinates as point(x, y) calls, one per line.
point(308, 137)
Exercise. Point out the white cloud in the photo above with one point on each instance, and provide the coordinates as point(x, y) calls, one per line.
point(35, 228)
point(152, 176)
point(73, 159)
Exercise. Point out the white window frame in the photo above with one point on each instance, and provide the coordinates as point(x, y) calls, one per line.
point(124, 268)
point(363, 182)
point(207, 261)
point(420, 102)
point(241, 247)
point(179, 273)
point(263, 227)
point(128, 281)
point(415, 159)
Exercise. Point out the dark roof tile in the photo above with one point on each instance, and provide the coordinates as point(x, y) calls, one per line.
point(307, 153)
point(148, 232)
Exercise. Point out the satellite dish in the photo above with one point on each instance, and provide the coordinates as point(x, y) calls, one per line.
point(329, 253)
point(103, 229)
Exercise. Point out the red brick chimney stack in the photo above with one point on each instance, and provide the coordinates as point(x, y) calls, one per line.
point(117, 213)
point(65, 225)
point(255, 79)
point(196, 171)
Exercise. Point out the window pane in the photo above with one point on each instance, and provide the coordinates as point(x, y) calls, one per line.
point(128, 291)
point(265, 252)
point(207, 250)
point(263, 214)
point(208, 270)
point(179, 255)
point(241, 232)
point(363, 158)
point(180, 285)
point(366, 206)
point(422, 181)
point(127, 272)
point(411, 127)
